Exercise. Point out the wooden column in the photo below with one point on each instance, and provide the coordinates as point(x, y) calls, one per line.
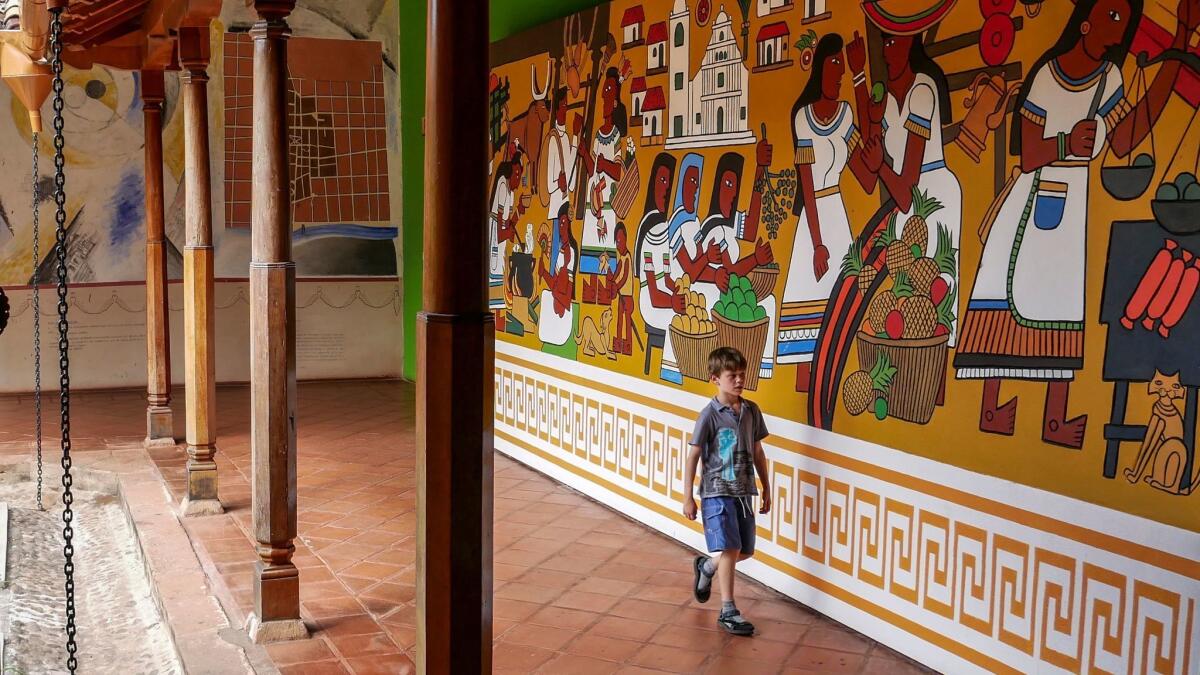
point(160, 425)
point(198, 308)
point(273, 338)
point(455, 353)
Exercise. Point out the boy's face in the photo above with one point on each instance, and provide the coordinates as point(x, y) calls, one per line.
point(730, 382)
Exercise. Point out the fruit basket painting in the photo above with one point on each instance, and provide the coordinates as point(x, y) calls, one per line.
point(743, 324)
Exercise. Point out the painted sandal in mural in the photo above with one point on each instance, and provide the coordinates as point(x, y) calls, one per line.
point(736, 624)
point(701, 594)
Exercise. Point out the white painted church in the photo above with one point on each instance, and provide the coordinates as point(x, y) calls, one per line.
point(712, 108)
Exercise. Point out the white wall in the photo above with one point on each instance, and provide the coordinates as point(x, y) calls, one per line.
point(344, 329)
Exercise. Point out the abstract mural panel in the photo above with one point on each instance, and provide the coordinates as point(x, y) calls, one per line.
point(337, 128)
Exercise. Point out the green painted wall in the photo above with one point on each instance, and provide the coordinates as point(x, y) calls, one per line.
point(507, 17)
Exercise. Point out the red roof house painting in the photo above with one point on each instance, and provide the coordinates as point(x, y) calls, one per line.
point(631, 26)
point(638, 90)
point(653, 106)
point(772, 47)
point(656, 58)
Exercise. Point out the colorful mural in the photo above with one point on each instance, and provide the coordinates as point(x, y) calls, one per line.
point(958, 239)
point(921, 219)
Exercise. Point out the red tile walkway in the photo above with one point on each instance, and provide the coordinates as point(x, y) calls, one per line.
point(579, 588)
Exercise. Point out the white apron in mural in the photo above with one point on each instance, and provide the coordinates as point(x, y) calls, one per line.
point(599, 231)
point(921, 115)
point(560, 152)
point(826, 148)
point(552, 328)
point(656, 262)
point(1031, 276)
point(502, 204)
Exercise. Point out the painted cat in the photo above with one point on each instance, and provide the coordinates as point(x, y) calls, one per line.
point(1163, 455)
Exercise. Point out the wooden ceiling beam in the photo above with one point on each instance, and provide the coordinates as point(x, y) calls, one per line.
point(125, 34)
point(91, 25)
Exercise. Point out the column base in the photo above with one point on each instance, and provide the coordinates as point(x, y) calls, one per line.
point(262, 632)
point(202, 483)
point(160, 427)
point(200, 507)
point(159, 443)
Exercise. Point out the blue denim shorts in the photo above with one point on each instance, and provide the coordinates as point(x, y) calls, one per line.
point(728, 523)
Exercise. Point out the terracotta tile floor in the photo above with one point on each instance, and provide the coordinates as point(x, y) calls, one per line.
point(578, 587)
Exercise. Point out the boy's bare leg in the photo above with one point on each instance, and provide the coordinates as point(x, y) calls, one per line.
point(726, 565)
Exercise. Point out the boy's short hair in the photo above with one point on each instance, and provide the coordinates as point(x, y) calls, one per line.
point(725, 358)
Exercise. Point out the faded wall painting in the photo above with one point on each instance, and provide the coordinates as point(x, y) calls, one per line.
point(958, 242)
point(341, 150)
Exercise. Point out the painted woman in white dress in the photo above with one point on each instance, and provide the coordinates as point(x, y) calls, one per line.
point(826, 140)
point(684, 222)
point(502, 226)
point(556, 312)
point(916, 107)
point(1026, 315)
point(657, 301)
point(604, 163)
point(714, 252)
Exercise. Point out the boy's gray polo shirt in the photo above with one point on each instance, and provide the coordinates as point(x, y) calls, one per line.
point(727, 441)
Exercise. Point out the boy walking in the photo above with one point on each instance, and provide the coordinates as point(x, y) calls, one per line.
point(728, 439)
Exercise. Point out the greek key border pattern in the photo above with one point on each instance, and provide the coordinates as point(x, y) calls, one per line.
point(989, 585)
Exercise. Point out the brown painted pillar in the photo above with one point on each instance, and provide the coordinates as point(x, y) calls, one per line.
point(160, 424)
point(273, 338)
point(198, 308)
point(455, 353)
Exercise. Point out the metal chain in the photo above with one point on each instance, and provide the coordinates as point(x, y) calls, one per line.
point(60, 232)
point(37, 325)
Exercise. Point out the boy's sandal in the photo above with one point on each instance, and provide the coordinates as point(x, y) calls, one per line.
point(701, 594)
point(736, 625)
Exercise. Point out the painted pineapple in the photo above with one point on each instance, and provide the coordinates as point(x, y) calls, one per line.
point(920, 317)
point(880, 307)
point(862, 387)
point(897, 253)
point(853, 266)
point(916, 230)
point(922, 273)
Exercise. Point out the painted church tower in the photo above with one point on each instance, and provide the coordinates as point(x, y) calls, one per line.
point(711, 109)
point(719, 97)
point(679, 98)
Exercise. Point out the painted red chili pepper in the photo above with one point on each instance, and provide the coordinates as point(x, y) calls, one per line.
point(1182, 300)
point(1166, 291)
point(1149, 283)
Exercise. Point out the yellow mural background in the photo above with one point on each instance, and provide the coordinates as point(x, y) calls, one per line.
point(952, 436)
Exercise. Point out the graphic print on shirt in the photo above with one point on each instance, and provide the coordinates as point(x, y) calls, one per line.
point(727, 443)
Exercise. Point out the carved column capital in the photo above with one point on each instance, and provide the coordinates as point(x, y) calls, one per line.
point(194, 53)
point(272, 11)
point(154, 90)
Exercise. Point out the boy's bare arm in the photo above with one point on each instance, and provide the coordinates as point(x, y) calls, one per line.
point(760, 465)
point(689, 478)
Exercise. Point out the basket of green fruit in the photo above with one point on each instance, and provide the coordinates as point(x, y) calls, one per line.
point(742, 324)
point(1128, 182)
point(762, 279)
point(1176, 205)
